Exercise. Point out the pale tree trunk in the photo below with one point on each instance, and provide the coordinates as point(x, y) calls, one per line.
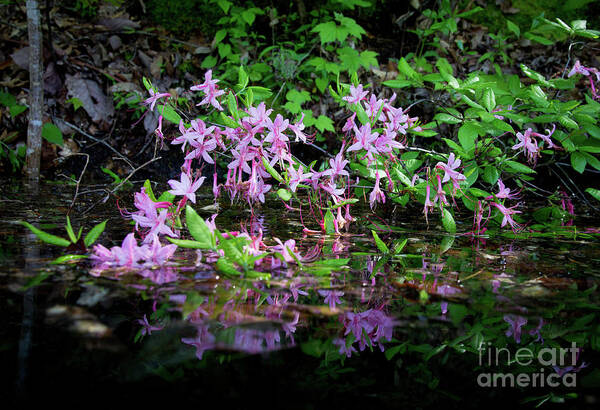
point(36, 91)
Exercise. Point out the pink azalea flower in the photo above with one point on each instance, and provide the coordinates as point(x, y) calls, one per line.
point(186, 187)
point(160, 254)
point(337, 165)
point(449, 170)
point(356, 94)
point(332, 297)
point(376, 194)
point(345, 349)
point(578, 69)
point(154, 97)
point(507, 212)
point(147, 329)
point(516, 323)
point(297, 176)
point(209, 88)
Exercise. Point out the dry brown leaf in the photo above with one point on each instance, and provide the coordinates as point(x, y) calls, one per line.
point(93, 100)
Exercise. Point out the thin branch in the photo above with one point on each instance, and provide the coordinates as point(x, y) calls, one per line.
point(82, 132)
point(87, 161)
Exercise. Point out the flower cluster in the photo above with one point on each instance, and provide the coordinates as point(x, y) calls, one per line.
point(368, 328)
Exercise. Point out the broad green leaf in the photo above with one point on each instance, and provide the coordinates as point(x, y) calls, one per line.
point(489, 99)
point(228, 268)
point(228, 121)
point(491, 174)
point(242, 78)
point(52, 134)
point(447, 118)
point(448, 221)
point(513, 27)
point(231, 248)
point(233, 107)
point(272, 171)
point(186, 243)
point(398, 83)
point(169, 113)
point(260, 93)
point(578, 161)
point(467, 135)
point(198, 228)
point(67, 258)
point(379, 243)
point(594, 192)
point(407, 70)
point(536, 76)
point(18, 109)
point(284, 194)
point(329, 225)
point(94, 233)
point(46, 237)
point(518, 167)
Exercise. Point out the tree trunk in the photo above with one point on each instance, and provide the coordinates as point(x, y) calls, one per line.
point(36, 91)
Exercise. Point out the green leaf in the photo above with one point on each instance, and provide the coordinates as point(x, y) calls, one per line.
point(169, 113)
point(329, 225)
point(115, 177)
point(70, 231)
point(232, 249)
point(489, 99)
point(186, 243)
point(94, 234)
point(398, 83)
point(284, 194)
point(220, 36)
point(224, 4)
point(242, 78)
point(407, 70)
point(491, 174)
point(324, 123)
point(578, 161)
point(260, 93)
point(513, 27)
point(379, 243)
point(228, 268)
point(52, 134)
point(46, 237)
point(447, 118)
point(148, 190)
point(272, 171)
point(518, 167)
point(448, 221)
point(467, 135)
point(536, 76)
point(16, 110)
point(233, 107)
point(198, 228)
point(147, 84)
point(67, 258)
point(594, 192)
point(228, 121)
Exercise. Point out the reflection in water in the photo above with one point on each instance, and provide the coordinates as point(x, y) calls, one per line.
point(413, 320)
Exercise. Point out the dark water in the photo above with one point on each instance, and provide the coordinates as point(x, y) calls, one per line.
point(429, 326)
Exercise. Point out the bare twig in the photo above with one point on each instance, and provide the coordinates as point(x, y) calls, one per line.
point(87, 161)
point(82, 132)
point(133, 172)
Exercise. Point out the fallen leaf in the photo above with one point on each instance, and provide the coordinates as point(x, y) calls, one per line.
point(93, 100)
